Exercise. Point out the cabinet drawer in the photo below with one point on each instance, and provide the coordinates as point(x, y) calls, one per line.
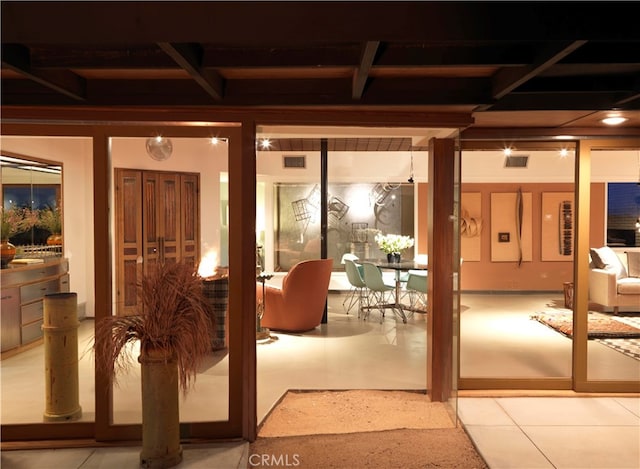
point(31, 332)
point(10, 323)
point(36, 291)
point(21, 275)
point(32, 312)
point(64, 284)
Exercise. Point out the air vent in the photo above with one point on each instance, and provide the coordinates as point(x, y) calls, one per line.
point(516, 161)
point(294, 161)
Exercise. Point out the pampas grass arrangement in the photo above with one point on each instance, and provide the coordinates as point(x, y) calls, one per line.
point(174, 330)
point(174, 318)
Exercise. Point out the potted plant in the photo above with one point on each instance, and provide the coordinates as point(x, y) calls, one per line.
point(392, 245)
point(50, 219)
point(173, 329)
point(14, 220)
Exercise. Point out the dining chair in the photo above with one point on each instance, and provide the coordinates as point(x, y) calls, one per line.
point(379, 291)
point(417, 288)
point(358, 292)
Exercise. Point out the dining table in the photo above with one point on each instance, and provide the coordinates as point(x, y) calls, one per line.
point(399, 268)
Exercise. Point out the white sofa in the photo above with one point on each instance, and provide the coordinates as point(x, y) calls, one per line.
point(610, 282)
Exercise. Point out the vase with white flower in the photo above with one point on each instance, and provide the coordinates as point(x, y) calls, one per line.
point(393, 245)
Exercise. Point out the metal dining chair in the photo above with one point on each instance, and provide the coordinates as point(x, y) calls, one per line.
point(358, 292)
point(379, 291)
point(417, 288)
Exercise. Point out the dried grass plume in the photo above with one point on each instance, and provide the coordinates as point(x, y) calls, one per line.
point(173, 318)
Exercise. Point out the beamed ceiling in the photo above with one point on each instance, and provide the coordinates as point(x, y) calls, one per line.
point(504, 64)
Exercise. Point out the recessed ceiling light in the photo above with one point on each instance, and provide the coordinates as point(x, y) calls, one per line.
point(265, 143)
point(614, 120)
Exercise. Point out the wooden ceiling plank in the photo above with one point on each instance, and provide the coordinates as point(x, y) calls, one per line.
point(362, 71)
point(17, 58)
point(583, 101)
point(187, 57)
point(452, 54)
point(255, 23)
point(100, 58)
point(318, 56)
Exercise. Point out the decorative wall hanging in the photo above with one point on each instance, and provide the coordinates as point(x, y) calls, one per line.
point(557, 226)
point(471, 226)
point(511, 214)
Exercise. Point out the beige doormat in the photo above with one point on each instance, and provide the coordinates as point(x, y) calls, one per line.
point(361, 429)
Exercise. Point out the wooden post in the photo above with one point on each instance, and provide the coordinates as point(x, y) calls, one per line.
point(440, 302)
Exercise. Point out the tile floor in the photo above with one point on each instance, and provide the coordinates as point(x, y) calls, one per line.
point(509, 432)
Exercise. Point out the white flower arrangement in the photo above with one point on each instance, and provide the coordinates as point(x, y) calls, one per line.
point(393, 243)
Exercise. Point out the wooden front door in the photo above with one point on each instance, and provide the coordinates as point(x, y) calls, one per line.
point(157, 220)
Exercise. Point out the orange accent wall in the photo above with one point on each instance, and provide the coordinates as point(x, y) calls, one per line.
point(485, 275)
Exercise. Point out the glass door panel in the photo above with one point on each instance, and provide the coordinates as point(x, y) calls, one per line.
point(182, 202)
point(39, 167)
point(613, 319)
point(517, 257)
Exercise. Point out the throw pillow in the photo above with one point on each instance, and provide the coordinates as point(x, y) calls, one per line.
point(633, 263)
point(598, 263)
point(611, 261)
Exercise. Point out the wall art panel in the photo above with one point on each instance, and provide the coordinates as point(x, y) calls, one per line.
point(471, 226)
point(511, 227)
point(557, 226)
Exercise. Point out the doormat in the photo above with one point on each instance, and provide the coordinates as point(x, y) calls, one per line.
point(600, 326)
point(364, 428)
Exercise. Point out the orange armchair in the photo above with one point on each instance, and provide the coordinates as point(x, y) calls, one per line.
point(297, 306)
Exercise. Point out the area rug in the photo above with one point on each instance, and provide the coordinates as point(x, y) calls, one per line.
point(600, 325)
point(361, 429)
point(628, 347)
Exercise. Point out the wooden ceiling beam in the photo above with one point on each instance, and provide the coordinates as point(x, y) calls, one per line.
point(507, 80)
point(189, 58)
point(17, 58)
point(361, 73)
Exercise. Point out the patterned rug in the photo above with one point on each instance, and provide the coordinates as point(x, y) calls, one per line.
point(629, 347)
point(620, 332)
point(600, 325)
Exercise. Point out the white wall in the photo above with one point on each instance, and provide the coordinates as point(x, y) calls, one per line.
point(346, 166)
point(549, 166)
point(477, 166)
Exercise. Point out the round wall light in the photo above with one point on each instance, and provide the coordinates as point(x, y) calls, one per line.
point(159, 148)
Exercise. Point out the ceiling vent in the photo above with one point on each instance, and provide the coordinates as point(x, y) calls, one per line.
point(516, 161)
point(294, 161)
